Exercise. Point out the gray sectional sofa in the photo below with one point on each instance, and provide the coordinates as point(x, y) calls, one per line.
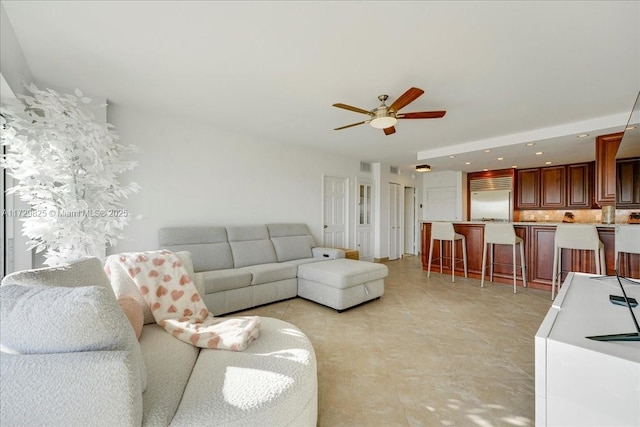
point(240, 267)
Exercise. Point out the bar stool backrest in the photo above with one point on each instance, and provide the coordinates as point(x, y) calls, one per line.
point(443, 231)
point(577, 236)
point(502, 234)
point(628, 238)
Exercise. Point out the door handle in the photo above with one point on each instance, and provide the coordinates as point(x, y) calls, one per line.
point(326, 226)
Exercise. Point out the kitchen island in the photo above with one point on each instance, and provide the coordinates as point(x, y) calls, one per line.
point(538, 243)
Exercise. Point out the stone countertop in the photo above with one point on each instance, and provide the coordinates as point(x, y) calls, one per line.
point(546, 223)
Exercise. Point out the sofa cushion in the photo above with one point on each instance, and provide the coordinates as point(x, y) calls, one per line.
point(274, 272)
point(208, 245)
point(288, 229)
point(84, 272)
point(304, 260)
point(250, 245)
point(53, 319)
point(292, 247)
point(123, 285)
point(223, 280)
point(169, 364)
point(273, 383)
point(247, 232)
point(252, 252)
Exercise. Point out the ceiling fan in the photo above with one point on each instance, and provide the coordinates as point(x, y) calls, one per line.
point(385, 117)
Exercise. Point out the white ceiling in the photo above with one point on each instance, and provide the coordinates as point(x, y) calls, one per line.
point(506, 72)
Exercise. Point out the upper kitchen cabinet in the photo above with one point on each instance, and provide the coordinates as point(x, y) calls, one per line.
point(528, 186)
point(442, 197)
point(628, 184)
point(606, 149)
point(553, 184)
point(579, 188)
point(556, 187)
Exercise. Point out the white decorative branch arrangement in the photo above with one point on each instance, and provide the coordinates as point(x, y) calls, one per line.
point(67, 167)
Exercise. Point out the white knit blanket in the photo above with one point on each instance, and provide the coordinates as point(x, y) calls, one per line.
point(177, 306)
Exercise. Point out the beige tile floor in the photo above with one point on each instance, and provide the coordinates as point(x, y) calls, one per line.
point(428, 353)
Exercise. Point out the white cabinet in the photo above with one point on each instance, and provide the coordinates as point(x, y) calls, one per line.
point(582, 382)
point(444, 196)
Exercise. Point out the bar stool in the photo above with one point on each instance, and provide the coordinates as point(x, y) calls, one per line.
point(444, 231)
point(502, 234)
point(627, 241)
point(576, 236)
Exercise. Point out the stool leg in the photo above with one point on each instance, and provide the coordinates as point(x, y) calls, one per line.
point(430, 254)
point(453, 261)
point(514, 268)
point(484, 263)
point(522, 267)
point(464, 255)
point(441, 255)
point(596, 255)
point(555, 271)
point(491, 248)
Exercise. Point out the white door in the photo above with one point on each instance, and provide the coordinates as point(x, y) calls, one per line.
point(395, 215)
point(410, 221)
point(365, 229)
point(335, 211)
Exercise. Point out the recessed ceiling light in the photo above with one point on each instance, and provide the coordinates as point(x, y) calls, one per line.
point(547, 163)
point(500, 158)
point(452, 157)
point(538, 153)
point(530, 144)
point(514, 166)
point(583, 135)
point(487, 151)
point(630, 127)
point(485, 170)
point(467, 163)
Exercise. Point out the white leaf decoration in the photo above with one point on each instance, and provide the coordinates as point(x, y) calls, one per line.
point(67, 167)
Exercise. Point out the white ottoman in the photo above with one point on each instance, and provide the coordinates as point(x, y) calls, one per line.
point(341, 283)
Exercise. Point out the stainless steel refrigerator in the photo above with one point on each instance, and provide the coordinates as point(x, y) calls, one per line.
point(494, 205)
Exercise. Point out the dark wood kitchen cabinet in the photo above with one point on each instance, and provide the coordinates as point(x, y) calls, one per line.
point(579, 188)
point(606, 149)
point(528, 187)
point(628, 184)
point(553, 184)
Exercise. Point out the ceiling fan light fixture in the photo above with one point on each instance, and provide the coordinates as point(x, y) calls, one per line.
point(423, 168)
point(383, 122)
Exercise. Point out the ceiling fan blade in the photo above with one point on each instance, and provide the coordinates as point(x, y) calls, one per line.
point(406, 98)
point(356, 109)
point(422, 115)
point(351, 125)
point(389, 131)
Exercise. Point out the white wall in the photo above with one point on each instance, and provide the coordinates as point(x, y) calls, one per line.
point(193, 174)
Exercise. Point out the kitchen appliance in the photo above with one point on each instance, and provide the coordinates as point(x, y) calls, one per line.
point(491, 205)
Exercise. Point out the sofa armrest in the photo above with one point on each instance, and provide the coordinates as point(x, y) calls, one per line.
point(328, 253)
point(63, 389)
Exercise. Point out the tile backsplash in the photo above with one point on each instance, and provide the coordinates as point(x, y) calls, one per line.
point(579, 215)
